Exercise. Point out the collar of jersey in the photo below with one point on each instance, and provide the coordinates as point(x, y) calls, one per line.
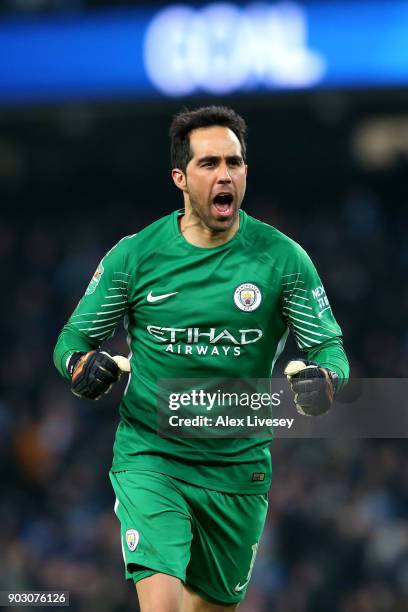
point(242, 224)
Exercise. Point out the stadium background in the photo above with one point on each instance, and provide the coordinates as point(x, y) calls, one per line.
point(327, 167)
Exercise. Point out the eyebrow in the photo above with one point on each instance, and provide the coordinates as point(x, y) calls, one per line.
point(216, 158)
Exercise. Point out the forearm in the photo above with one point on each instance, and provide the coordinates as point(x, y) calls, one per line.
point(330, 354)
point(70, 341)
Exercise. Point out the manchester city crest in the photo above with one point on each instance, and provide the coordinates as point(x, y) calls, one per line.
point(132, 539)
point(247, 297)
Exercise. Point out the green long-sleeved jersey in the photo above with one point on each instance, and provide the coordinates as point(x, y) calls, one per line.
point(194, 312)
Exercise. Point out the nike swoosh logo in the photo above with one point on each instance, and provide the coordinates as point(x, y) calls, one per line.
point(319, 314)
point(156, 298)
point(240, 587)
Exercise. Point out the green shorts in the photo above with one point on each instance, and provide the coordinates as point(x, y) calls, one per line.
point(206, 538)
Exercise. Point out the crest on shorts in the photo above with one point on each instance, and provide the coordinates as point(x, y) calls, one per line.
point(132, 539)
point(247, 297)
point(95, 279)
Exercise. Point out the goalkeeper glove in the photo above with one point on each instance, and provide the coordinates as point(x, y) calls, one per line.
point(94, 373)
point(314, 386)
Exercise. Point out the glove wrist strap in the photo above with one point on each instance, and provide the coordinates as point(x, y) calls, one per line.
point(334, 379)
point(73, 360)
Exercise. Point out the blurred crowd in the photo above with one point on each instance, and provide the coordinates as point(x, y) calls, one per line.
point(40, 6)
point(336, 538)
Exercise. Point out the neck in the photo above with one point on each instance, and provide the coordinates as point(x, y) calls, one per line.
point(196, 232)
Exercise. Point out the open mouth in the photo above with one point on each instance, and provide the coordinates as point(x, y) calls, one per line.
point(223, 203)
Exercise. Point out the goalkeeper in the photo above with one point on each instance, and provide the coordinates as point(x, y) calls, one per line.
point(206, 292)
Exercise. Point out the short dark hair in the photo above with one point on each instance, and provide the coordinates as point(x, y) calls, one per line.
point(206, 116)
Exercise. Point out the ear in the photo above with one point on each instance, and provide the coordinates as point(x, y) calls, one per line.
point(179, 179)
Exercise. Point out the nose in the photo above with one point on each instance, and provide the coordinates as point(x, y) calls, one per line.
point(224, 175)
